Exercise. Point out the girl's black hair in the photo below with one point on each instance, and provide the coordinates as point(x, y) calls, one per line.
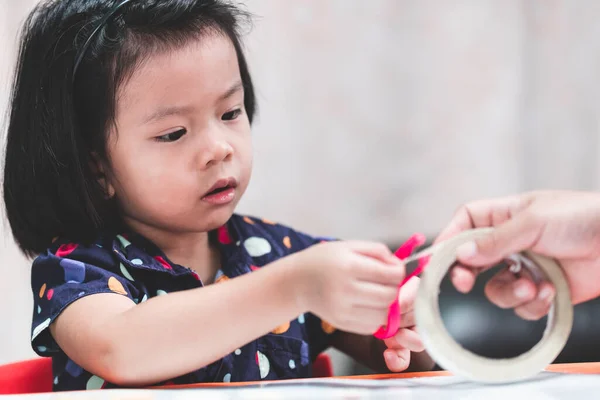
point(56, 124)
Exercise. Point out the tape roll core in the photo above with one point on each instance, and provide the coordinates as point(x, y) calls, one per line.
point(442, 347)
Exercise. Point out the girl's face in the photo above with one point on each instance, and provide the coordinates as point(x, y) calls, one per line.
point(181, 156)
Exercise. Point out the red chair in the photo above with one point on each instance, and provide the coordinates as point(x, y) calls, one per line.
point(322, 367)
point(35, 375)
point(30, 376)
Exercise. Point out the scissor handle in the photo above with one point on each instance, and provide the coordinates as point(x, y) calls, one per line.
point(403, 252)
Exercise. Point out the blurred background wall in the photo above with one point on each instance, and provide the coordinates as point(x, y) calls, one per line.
point(378, 118)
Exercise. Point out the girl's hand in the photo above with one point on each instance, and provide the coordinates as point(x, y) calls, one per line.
point(349, 284)
point(407, 340)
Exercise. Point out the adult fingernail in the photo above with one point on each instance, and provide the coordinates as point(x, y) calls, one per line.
point(521, 291)
point(545, 294)
point(466, 250)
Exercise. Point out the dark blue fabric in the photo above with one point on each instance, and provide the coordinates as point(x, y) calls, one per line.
point(134, 267)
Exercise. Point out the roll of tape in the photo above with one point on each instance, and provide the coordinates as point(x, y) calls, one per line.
point(453, 357)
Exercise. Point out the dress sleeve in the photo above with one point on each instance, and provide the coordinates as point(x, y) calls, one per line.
point(59, 278)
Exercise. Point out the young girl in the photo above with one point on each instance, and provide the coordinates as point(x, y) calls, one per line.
point(128, 150)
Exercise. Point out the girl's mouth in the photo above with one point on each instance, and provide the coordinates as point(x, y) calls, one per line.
point(222, 192)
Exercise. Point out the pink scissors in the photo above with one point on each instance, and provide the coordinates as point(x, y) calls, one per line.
point(404, 253)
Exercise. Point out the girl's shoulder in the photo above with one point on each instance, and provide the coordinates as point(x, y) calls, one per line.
point(101, 252)
point(113, 253)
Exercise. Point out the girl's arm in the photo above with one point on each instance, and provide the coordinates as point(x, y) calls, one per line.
point(168, 336)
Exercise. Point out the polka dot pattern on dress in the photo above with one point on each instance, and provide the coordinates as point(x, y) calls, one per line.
point(304, 354)
point(124, 242)
point(126, 273)
point(257, 247)
point(287, 242)
point(65, 250)
point(223, 235)
point(264, 365)
point(95, 383)
point(38, 329)
point(220, 277)
point(115, 286)
point(74, 270)
point(42, 290)
point(73, 369)
point(327, 327)
point(281, 329)
point(163, 262)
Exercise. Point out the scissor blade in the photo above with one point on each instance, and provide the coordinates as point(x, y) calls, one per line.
point(420, 254)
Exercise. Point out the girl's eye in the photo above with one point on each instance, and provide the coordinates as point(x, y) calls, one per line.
point(172, 137)
point(231, 115)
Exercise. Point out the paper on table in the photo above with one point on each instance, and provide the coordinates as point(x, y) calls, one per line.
point(545, 386)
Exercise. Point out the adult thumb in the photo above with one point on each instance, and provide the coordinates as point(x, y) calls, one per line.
point(515, 235)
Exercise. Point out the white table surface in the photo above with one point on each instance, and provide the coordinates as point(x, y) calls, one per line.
point(546, 386)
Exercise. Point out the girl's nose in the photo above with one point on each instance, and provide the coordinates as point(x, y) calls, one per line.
point(214, 152)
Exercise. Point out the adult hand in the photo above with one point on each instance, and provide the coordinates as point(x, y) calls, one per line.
point(559, 224)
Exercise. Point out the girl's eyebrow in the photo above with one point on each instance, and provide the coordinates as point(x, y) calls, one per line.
point(236, 87)
point(166, 112)
point(179, 110)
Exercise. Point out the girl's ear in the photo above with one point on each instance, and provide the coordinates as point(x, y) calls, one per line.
point(100, 170)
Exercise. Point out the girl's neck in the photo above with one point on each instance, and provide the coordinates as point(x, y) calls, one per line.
point(192, 250)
